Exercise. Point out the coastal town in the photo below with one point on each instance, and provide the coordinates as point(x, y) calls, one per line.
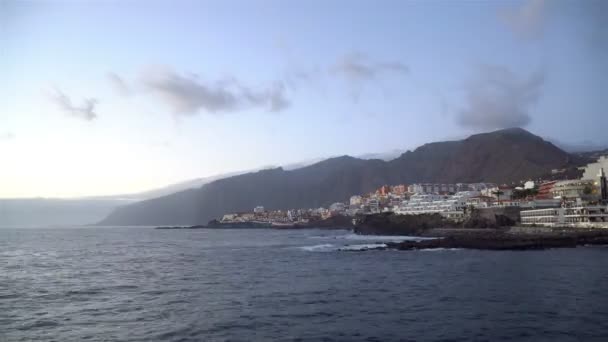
point(576, 203)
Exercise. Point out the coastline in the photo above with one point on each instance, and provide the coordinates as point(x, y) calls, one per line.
point(506, 240)
point(471, 234)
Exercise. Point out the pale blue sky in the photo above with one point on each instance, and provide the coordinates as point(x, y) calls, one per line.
point(186, 89)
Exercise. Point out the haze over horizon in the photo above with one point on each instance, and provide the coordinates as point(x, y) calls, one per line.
point(113, 97)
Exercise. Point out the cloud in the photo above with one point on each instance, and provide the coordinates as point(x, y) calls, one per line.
point(295, 77)
point(187, 94)
point(119, 84)
point(6, 136)
point(526, 20)
point(85, 111)
point(497, 98)
point(359, 67)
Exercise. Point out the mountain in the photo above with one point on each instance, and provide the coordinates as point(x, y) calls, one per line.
point(509, 155)
point(166, 190)
point(504, 156)
point(46, 212)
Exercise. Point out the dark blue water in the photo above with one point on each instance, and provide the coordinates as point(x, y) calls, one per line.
point(135, 284)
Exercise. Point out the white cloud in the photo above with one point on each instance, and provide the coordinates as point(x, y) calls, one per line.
point(187, 94)
point(85, 111)
point(6, 136)
point(118, 84)
point(498, 98)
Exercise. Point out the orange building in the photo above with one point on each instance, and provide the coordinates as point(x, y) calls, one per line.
point(544, 190)
point(384, 190)
point(399, 189)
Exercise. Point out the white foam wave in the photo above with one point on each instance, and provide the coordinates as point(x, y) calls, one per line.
point(326, 247)
point(363, 247)
point(439, 249)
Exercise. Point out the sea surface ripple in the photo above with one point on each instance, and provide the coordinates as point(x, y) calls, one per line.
point(141, 284)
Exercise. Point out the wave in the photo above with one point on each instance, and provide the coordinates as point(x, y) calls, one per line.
point(363, 247)
point(326, 247)
point(439, 249)
point(39, 324)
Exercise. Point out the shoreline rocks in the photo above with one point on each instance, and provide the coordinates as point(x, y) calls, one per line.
point(505, 240)
point(394, 224)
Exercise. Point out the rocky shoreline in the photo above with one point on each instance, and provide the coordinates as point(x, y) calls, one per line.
point(507, 241)
point(478, 232)
point(393, 224)
point(334, 222)
point(239, 225)
point(482, 229)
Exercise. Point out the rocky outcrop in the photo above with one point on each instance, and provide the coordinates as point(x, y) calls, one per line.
point(491, 217)
point(334, 222)
point(392, 224)
point(506, 241)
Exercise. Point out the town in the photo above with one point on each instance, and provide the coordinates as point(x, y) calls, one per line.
point(575, 203)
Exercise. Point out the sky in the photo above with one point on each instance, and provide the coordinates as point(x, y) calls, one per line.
point(112, 97)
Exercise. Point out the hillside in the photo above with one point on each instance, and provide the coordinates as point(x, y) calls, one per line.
point(47, 212)
point(501, 156)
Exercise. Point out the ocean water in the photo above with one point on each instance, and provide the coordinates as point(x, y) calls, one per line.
point(141, 284)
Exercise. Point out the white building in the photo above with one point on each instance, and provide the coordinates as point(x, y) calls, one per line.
point(481, 186)
point(356, 200)
point(258, 210)
point(374, 205)
point(529, 185)
point(338, 207)
point(431, 188)
point(229, 217)
point(574, 216)
point(449, 206)
point(591, 171)
point(293, 215)
point(576, 188)
point(498, 192)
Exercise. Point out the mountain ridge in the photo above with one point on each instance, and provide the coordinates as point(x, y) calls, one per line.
point(501, 156)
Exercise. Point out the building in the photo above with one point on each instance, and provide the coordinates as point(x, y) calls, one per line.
point(383, 190)
point(394, 200)
point(591, 171)
point(603, 186)
point(577, 216)
point(480, 201)
point(374, 205)
point(399, 189)
point(480, 186)
point(432, 188)
point(529, 185)
point(356, 200)
point(229, 217)
point(545, 190)
point(258, 210)
point(294, 215)
point(451, 207)
point(578, 188)
point(498, 192)
point(337, 208)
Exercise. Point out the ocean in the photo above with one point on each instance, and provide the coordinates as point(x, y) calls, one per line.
point(142, 284)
